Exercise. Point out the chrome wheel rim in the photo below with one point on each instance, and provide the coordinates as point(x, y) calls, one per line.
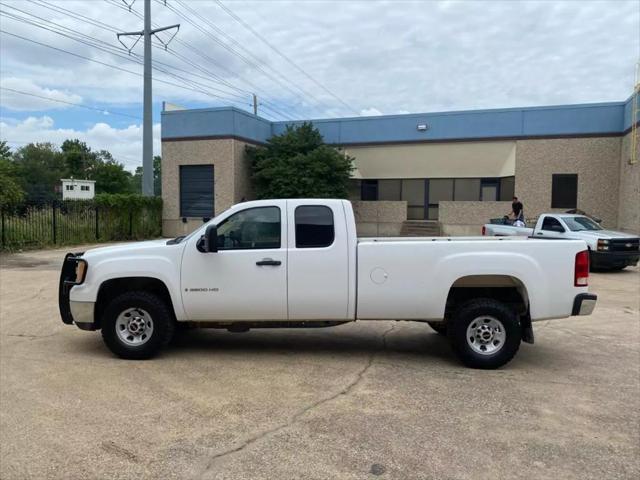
point(134, 327)
point(486, 335)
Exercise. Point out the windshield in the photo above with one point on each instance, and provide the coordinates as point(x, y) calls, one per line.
point(578, 224)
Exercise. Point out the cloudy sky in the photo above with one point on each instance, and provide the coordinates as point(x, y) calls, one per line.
point(304, 59)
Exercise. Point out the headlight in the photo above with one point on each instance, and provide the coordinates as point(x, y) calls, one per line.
point(81, 271)
point(603, 244)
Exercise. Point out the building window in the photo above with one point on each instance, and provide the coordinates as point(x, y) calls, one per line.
point(489, 189)
point(84, 188)
point(564, 190)
point(413, 192)
point(389, 190)
point(314, 226)
point(466, 189)
point(196, 191)
point(355, 190)
point(440, 189)
point(369, 190)
point(507, 188)
point(251, 229)
point(69, 187)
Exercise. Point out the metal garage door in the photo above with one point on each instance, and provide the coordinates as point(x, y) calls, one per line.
point(196, 191)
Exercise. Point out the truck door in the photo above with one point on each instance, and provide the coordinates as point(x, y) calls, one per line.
point(318, 275)
point(246, 279)
point(551, 228)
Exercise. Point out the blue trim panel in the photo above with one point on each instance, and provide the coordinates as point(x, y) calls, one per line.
point(214, 122)
point(628, 111)
point(564, 120)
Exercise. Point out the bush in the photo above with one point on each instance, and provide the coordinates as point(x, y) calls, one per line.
point(298, 164)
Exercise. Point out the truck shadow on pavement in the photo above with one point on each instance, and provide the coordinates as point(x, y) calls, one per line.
point(414, 343)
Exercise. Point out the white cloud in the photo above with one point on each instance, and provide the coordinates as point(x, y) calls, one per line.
point(399, 56)
point(370, 112)
point(125, 144)
point(16, 101)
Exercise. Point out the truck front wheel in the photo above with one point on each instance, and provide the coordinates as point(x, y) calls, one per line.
point(136, 325)
point(485, 333)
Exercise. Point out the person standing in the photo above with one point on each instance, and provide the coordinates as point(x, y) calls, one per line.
point(517, 210)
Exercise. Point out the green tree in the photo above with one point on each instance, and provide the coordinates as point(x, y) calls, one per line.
point(136, 179)
point(39, 168)
point(10, 190)
point(79, 160)
point(111, 176)
point(5, 150)
point(299, 164)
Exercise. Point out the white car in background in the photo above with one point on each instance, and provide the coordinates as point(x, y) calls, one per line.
point(608, 249)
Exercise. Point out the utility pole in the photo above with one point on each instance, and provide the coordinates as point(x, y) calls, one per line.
point(255, 104)
point(147, 122)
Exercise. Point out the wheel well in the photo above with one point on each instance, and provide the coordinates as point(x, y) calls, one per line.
point(503, 288)
point(116, 286)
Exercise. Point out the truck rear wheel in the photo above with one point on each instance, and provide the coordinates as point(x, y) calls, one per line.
point(485, 333)
point(136, 325)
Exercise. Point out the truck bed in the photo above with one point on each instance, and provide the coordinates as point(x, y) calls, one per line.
point(410, 278)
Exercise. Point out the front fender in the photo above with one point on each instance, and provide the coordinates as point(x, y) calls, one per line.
point(164, 269)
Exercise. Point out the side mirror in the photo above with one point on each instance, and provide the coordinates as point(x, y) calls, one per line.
point(208, 243)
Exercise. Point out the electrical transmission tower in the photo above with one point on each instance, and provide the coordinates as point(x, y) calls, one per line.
point(147, 122)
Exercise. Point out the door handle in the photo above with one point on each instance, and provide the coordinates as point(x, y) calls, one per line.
point(540, 233)
point(268, 261)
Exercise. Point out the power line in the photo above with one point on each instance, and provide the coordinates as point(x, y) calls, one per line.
point(103, 46)
point(267, 104)
point(244, 58)
point(70, 103)
point(109, 48)
point(77, 55)
point(118, 52)
point(255, 61)
point(282, 54)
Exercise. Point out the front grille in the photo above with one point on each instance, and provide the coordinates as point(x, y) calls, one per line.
point(624, 245)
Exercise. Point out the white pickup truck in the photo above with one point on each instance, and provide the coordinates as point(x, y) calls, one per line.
point(607, 249)
point(298, 263)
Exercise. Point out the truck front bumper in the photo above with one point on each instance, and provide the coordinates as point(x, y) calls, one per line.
point(584, 304)
point(614, 259)
point(80, 313)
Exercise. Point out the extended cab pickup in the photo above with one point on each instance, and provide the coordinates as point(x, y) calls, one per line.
point(607, 249)
point(298, 263)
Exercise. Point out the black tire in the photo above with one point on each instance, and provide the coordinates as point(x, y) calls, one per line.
point(471, 311)
point(439, 327)
point(162, 320)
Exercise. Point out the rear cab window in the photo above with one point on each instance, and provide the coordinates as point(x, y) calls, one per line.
point(314, 226)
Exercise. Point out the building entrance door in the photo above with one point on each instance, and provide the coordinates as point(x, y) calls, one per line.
point(438, 189)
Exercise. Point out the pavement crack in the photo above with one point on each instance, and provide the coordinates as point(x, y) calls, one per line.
point(359, 376)
point(29, 336)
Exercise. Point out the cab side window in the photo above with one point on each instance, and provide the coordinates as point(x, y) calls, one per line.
point(254, 228)
point(551, 224)
point(314, 226)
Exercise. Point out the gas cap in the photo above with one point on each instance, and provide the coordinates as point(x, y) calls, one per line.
point(379, 275)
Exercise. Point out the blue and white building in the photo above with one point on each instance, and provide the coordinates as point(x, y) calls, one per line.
point(450, 169)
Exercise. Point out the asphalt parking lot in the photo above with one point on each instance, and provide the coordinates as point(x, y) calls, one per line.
point(362, 400)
